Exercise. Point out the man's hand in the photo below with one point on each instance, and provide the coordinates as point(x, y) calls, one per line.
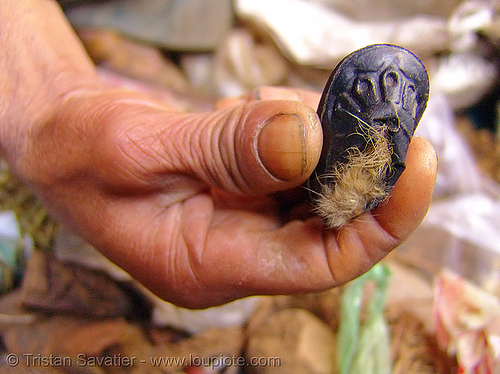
point(202, 208)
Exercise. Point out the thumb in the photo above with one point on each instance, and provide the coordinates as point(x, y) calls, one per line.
point(253, 148)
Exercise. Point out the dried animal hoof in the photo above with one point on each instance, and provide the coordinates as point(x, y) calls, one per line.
point(369, 111)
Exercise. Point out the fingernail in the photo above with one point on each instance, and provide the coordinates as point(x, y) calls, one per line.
point(282, 147)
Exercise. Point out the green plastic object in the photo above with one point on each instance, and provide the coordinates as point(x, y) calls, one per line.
point(365, 348)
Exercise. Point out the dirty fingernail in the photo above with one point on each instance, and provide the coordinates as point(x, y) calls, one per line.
point(282, 146)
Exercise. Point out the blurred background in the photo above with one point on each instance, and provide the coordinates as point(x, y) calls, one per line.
point(191, 53)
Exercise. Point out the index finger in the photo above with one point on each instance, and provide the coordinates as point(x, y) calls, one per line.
point(307, 97)
point(374, 234)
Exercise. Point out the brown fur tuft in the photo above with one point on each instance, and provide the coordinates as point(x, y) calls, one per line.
point(357, 182)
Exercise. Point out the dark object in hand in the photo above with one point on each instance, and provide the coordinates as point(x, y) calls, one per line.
point(369, 111)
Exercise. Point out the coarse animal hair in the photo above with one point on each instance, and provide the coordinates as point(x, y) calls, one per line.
point(358, 182)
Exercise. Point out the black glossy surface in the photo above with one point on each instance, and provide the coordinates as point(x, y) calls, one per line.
point(378, 85)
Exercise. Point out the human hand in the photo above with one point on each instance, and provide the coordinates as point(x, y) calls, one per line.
point(186, 204)
point(199, 206)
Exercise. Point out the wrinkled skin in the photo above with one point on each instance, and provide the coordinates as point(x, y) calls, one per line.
point(202, 208)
